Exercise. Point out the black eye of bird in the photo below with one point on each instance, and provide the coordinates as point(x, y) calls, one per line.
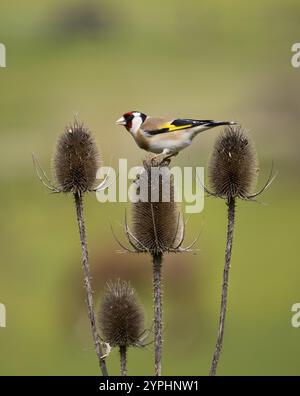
point(129, 117)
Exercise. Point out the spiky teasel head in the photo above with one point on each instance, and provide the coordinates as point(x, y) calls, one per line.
point(233, 166)
point(157, 223)
point(76, 159)
point(121, 318)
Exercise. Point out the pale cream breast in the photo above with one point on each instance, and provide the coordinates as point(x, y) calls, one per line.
point(170, 140)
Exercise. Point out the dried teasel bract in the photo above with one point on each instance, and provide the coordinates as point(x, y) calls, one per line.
point(157, 224)
point(233, 167)
point(121, 317)
point(75, 163)
point(76, 159)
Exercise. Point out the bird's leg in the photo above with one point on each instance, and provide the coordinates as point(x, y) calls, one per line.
point(156, 158)
point(165, 155)
point(169, 154)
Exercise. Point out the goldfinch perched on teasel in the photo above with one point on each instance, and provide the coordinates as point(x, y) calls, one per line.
point(165, 136)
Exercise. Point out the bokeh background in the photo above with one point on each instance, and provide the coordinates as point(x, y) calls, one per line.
point(98, 59)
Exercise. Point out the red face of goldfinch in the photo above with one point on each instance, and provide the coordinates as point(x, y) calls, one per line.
point(132, 120)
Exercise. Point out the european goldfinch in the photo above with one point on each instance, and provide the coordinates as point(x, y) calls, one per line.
point(164, 136)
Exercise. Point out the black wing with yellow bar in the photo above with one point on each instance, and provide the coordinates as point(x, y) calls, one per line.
point(178, 124)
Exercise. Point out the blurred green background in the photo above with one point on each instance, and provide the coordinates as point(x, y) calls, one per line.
point(99, 59)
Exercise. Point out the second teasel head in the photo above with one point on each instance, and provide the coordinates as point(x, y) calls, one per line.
point(233, 166)
point(157, 223)
point(76, 159)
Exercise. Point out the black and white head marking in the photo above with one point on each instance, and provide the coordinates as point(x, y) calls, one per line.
point(134, 120)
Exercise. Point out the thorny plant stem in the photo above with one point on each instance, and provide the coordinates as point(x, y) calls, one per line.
point(87, 282)
point(230, 230)
point(157, 294)
point(123, 359)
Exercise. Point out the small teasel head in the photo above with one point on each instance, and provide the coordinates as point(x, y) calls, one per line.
point(157, 222)
point(121, 319)
point(76, 159)
point(233, 166)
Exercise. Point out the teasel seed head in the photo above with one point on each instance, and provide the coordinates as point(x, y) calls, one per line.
point(121, 319)
point(76, 159)
point(157, 226)
point(233, 166)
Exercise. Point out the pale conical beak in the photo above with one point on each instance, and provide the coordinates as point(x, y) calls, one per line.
point(121, 121)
